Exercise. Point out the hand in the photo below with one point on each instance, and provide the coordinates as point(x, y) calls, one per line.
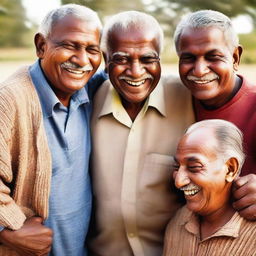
point(244, 193)
point(33, 238)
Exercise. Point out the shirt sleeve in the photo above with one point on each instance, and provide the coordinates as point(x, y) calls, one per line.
point(95, 82)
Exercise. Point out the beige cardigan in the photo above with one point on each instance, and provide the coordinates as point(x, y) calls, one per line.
point(25, 161)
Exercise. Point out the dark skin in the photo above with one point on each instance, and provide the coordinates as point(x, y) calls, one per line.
point(73, 41)
point(204, 52)
point(33, 238)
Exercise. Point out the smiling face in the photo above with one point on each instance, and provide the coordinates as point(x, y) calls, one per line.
point(207, 64)
point(70, 55)
point(133, 63)
point(201, 173)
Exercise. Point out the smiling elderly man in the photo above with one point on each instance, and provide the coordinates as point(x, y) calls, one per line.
point(45, 139)
point(209, 157)
point(136, 122)
point(209, 55)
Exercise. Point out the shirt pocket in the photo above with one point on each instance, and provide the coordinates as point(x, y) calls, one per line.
point(156, 185)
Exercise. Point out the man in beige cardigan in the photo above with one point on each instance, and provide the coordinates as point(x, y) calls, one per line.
point(41, 109)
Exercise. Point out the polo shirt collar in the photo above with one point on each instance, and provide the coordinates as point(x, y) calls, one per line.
point(113, 105)
point(230, 229)
point(47, 97)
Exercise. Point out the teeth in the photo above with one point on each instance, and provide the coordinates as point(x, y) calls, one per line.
point(191, 192)
point(135, 83)
point(75, 71)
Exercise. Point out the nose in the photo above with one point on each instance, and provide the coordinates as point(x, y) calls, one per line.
point(136, 70)
point(80, 58)
point(181, 178)
point(200, 68)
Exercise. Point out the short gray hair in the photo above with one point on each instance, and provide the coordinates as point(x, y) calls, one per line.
point(79, 11)
point(208, 18)
point(229, 138)
point(127, 20)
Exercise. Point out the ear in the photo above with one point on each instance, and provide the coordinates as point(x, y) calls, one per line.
point(40, 44)
point(232, 169)
point(105, 61)
point(237, 56)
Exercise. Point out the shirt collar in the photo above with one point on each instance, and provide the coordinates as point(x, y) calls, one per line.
point(230, 229)
point(47, 97)
point(113, 104)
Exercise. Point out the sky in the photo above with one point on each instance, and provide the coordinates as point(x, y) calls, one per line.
point(37, 9)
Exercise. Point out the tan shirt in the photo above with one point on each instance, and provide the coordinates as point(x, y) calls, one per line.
point(235, 238)
point(131, 169)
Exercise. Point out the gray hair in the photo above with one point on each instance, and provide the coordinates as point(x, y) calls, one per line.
point(79, 11)
point(127, 20)
point(208, 18)
point(229, 138)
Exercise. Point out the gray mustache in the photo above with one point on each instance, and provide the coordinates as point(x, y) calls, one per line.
point(77, 67)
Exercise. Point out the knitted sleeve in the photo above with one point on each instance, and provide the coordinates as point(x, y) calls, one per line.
point(11, 215)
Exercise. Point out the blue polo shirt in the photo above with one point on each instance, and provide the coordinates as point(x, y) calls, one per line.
point(68, 134)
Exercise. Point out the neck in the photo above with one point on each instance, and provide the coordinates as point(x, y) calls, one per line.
point(211, 223)
point(133, 109)
point(217, 103)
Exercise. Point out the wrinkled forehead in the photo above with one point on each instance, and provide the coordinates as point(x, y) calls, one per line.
point(134, 36)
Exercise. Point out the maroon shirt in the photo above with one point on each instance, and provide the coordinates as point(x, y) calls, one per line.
point(240, 110)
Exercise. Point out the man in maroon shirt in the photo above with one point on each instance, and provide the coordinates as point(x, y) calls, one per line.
point(209, 55)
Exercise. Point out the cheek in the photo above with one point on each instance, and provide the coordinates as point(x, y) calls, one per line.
point(115, 70)
point(95, 60)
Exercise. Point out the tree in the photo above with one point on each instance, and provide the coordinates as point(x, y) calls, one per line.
point(12, 23)
point(109, 7)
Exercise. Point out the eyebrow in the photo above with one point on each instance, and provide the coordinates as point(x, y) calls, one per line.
point(124, 54)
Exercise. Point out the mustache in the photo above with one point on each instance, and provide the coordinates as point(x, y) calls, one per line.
point(208, 77)
point(144, 77)
point(68, 64)
point(189, 187)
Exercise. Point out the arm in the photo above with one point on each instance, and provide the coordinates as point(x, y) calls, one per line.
point(244, 194)
point(33, 238)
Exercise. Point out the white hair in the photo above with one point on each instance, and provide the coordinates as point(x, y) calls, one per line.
point(229, 138)
point(208, 18)
point(54, 16)
point(127, 20)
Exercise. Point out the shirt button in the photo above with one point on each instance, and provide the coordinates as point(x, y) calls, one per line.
point(131, 235)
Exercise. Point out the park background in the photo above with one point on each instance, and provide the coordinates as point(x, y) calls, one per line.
point(19, 21)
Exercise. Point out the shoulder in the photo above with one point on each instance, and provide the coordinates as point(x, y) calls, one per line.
point(173, 84)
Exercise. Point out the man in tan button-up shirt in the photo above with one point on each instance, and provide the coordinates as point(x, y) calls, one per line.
point(136, 124)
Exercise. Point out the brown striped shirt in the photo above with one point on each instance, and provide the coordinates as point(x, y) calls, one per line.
point(236, 238)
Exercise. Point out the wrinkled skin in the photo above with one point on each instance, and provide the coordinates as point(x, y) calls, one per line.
point(244, 193)
point(33, 238)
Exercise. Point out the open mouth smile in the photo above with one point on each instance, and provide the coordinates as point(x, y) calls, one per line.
point(135, 83)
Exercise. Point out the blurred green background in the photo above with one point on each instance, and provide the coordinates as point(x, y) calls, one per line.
point(19, 21)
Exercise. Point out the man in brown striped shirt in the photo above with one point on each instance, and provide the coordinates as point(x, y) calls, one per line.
point(208, 158)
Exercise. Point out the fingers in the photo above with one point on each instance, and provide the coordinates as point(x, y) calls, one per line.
point(249, 213)
point(243, 186)
point(244, 202)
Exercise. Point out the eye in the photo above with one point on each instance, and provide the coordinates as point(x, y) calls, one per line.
point(214, 57)
point(195, 168)
point(149, 60)
point(93, 50)
point(187, 58)
point(68, 46)
point(175, 167)
point(120, 60)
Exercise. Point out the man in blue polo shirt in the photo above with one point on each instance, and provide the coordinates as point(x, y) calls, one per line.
point(67, 46)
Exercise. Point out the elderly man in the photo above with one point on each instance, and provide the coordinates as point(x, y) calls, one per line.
point(208, 158)
point(136, 122)
point(45, 139)
point(209, 55)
